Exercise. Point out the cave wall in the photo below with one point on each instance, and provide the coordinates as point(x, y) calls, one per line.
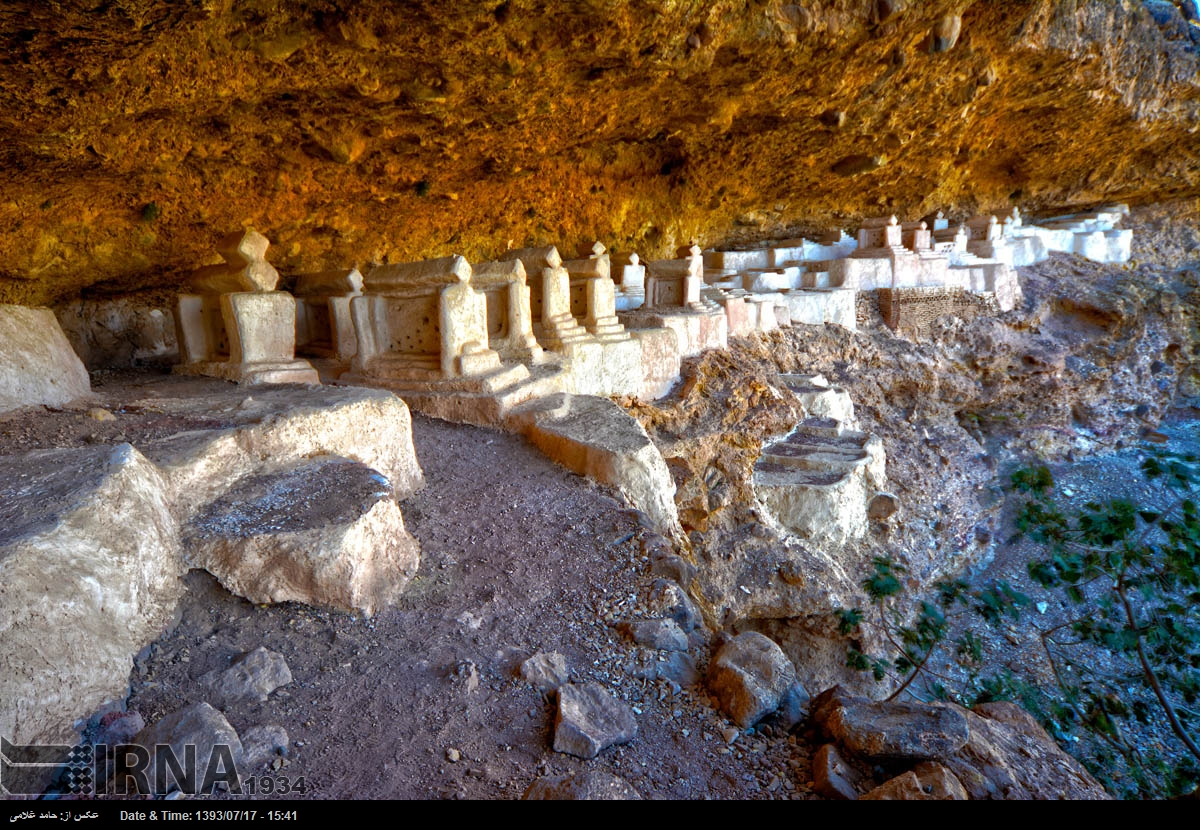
point(134, 133)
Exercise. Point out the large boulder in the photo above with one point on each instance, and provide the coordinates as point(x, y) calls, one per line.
point(324, 533)
point(749, 676)
point(37, 364)
point(199, 728)
point(1010, 756)
point(90, 572)
point(894, 730)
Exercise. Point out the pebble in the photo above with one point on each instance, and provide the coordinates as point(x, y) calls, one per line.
point(730, 734)
point(453, 756)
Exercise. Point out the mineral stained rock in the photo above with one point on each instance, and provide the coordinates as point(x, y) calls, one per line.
point(388, 132)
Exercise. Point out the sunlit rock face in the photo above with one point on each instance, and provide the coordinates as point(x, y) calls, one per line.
point(133, 133)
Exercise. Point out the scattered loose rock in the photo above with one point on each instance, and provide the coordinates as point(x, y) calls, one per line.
point(926, 782)
point(591, 719)
point(262, 744)
point(545, 672)
point(664, 635)
point(750, 676)
point(833, 777)
point(587, 786)
point(252, 676)
point(669, 600)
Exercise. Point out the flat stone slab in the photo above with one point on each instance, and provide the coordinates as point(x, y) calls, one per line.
point(590, 719)
point(37, 364)
point(325, 533)
point(596, 438)
point(276, 427)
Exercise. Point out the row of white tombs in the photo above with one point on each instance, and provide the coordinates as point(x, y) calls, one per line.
point(468, 343)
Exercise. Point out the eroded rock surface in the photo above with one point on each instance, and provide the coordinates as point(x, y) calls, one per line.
point(37, 364)
point(327, 532)
point(90, 569)
point(396, 133)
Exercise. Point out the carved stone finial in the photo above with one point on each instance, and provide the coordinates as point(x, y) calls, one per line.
point(634, 259)
point(893, 220)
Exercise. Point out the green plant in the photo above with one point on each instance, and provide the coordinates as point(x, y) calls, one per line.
point(1126, 658)
point(912, 643)
point(1132, 571)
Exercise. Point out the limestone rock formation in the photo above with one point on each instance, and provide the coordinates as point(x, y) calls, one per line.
point(1009, 756)
point(279, 427)
point(326, 533)
point(90, 571)
point(596, 438)
point(353, 136)
point(37, 365)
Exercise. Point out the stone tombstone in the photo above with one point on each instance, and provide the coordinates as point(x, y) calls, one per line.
point(676, 283)
point(918, 237)
point(594, 296)
point(880, 233)
point(422, 320)
point(549, 297)
point(324, 327)
point(633, 276)
point(505, 288)
point(233, 324)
